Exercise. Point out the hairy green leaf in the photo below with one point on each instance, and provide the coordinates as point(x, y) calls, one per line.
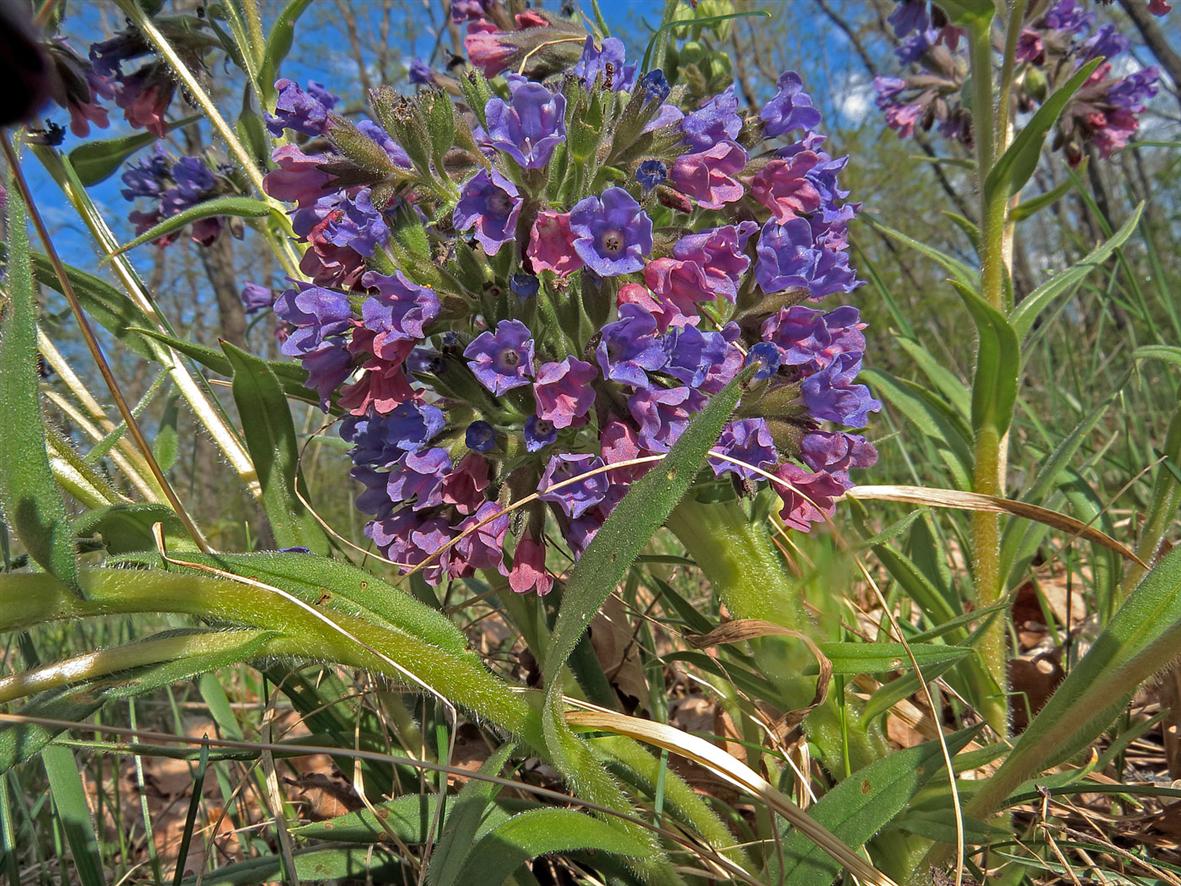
point(238, 207)
point(1014, 168)
point(540, 832)
point(315, 865)
point(876, 658)
point(998, 361)
point(270, 438)
point(465, 820)
point(278, 45)
point(96, 161)
point(860, 806)
point(31, 500)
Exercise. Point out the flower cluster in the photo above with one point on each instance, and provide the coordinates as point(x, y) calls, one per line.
point(1104, 113)
point(168, 187)
point(535, 290)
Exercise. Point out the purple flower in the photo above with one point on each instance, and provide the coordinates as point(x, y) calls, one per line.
point(692, 354)
point(611, 232)
point(915, 46)
point(316, 314)
point(831, 395)
point(394, 151)
point(716, 120)
point(539, 434)
point(790, 108)
point(483, 548)
point(767, 357)
point(374, 500)
point(650, 173)
point(358, 225)
point(887, 88)
point(256, 297)
point(607, 63)
point(464, 10)
point(421, 73)
point(747, 440)
point(327, 368)
point(480, 437)
point(524, 285)
point(629, 349)
point(491, 204)
point(910, 15)
point(662, 414)
point(303, 111)
point(788, 258)
point(812, 339)
point(379, 440)
point(147, 177)
point(1067, 15)
point(577, 498)
point(720, 253)
point(399, 312)
point(409, 539)
point(655, 86)
point(1133, 92)
point(465, 485)
point(563, 391)
point(837, 453)
point(1107, 42)
point(418, 477)
point(529, 126)
point(502, 360)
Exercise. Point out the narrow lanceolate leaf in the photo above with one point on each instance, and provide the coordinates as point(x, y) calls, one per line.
point(876, 658)
point(541, 832)
point(278, 45)
point(1031, 307)
point(860, 806)
point(1141, 640)
point(1016, 165)
point(270, 438)
point(468, 812)
point(970, 13)
point(290, 374)
point(998, 361)
point(964, 273)
point(69, 802)
point(31, 501)
point(238, 207)
point(629, 528)
point(96, 161)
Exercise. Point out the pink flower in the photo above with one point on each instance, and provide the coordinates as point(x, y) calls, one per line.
point(528, 572)
point(903, 118)
point(811, 498)
point(563, 391)
point(551, 244)
point(665, 313)
point(782, 186)
point(709, 176)
point(298, 179)
point(382, 387)
point(678, 286)
point(484, 48)
point(618, 443)
point(464, 487)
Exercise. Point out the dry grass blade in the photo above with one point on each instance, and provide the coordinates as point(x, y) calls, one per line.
point(734, 772)
point(974, 501)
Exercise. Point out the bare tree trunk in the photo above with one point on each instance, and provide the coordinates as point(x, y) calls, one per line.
point(218, 260)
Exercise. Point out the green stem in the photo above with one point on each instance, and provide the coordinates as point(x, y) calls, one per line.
point(990, 447)
point(748, 574)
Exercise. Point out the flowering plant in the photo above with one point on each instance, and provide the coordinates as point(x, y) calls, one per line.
point(1051, 47)
point(536, 288)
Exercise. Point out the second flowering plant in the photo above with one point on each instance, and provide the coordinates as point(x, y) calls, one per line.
point(534, 288)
